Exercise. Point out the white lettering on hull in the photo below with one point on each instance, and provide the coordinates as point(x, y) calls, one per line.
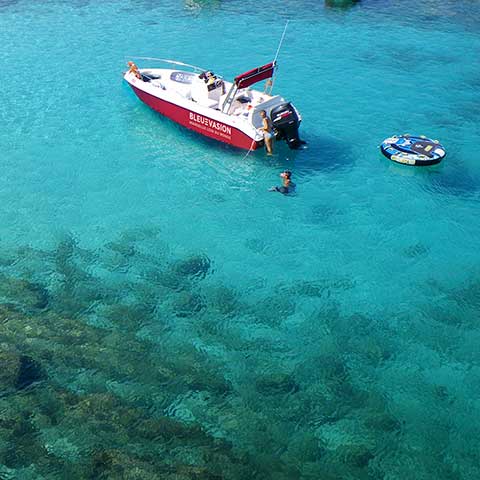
point(212, 126)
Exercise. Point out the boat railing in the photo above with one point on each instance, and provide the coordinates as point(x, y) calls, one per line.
point(195, 68)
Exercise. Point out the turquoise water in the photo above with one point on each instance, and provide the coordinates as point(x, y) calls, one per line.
point(164, 316)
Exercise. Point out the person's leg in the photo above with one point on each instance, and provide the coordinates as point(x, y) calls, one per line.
point(268, 143)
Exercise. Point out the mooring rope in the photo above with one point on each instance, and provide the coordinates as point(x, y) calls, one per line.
point(249, 151)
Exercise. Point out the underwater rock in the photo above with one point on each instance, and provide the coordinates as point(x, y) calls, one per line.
point(166, 279)
point(217, 385)
point(334, 374)
point(383, 421)
point(200, 377)
point(317, 470)
point(271, 466)
point(276, 383)
point(256, 245)
point(63, 257)
point(97, 406)
point(51, 403)
point(322, 213)
point(102, 416)
point(309, 289)
point(196, 266)
point(10, 368)
point(40, 295)
point(331, 367)
point(26, 452)
point(274, 309)
point(76, 289)
point(65, 247)
point(75, 296)
point(467, 295)
point(27, 294)
point(139, 234)
point(7, 261)
point(369, 349)
point(111, 464)
point(319, 288)
point(356, 455)
point(29, 372)
point(66, 252)
point(157, 434)
point(194, 472)
point(23, 447)
point(222, 299)
point(17, 371)
point(191, 368)
point(341, 4)
point(124, 249)
point(115, 262)
point(349, 447)
point(187, 304)
point(416, 250)
point(168, 429)
point(132, 317)
point(303, 445)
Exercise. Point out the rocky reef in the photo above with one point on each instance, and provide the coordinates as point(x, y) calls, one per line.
point(123, 364)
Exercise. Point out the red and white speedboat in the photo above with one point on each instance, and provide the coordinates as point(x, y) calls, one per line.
point(226, 111)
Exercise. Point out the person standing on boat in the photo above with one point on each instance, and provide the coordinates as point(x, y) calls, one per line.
point(267, 128)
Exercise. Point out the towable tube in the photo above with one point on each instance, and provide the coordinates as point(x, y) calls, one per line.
point(413, 150)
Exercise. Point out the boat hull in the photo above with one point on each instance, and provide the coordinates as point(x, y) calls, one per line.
point(198, 122)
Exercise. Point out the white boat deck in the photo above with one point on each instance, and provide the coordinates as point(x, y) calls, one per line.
point(184, 85)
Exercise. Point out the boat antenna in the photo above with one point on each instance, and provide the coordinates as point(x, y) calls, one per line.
point(270, 81)
point(281, 41)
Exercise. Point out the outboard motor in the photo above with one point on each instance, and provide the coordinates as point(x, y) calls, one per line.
point(286, 122)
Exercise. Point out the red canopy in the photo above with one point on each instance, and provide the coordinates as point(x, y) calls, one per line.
point(256, 75)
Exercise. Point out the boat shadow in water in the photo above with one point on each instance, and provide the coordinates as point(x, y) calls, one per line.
point(340, 4)
point(177, 134)
point(319, 153)
point(322, 153)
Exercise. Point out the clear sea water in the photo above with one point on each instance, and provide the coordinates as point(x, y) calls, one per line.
point(164, 316)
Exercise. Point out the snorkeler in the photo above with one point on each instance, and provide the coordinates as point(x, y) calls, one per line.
point(287, 186)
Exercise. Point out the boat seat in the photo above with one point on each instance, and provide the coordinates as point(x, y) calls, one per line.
point(215, 92)
point(208, 102)
point(201, 94)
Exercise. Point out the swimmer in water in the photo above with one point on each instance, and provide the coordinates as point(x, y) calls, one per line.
point(287, 186)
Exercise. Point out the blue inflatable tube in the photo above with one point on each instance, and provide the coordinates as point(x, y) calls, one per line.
point(413, 150)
